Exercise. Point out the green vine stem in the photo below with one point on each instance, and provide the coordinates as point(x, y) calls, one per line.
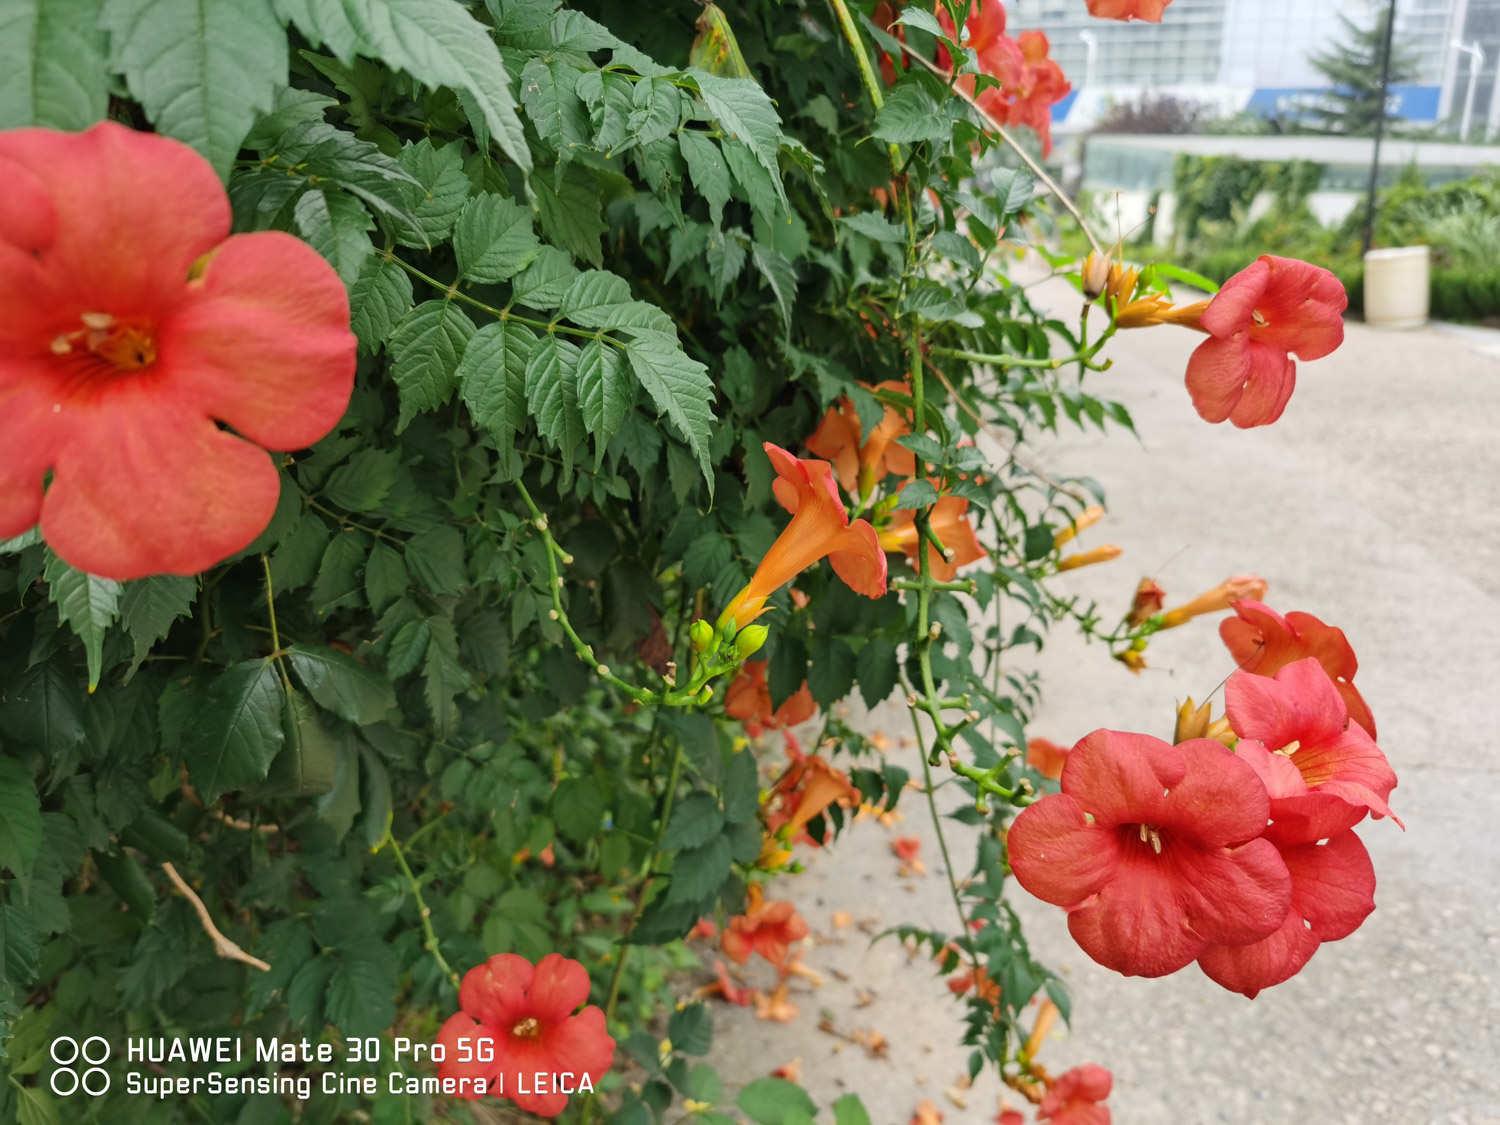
point(424, 912)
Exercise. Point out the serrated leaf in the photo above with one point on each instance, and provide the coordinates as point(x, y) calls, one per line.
point(362, 482)
point(492, 378)
point(656, 110)
point(699, 872)
point(294, 562)
point(691, 1030)
point(53, 69)
point(440, 193)
point(911, 114)
point(552, 393)
point(88, 605)
point(203, 69)
point(335, 225)
point(549, 91)
point(696, 820)
point(876, 670)
point(337, 585)
point(746, 113)
point(314, 153)
point(20, 819)
point(775, 1101)
point(307, 765)
point(605, 395)
point(378, 299)
point(437, 42)
point(43, 708)
point(150, 605)
point(444, 675)
point(436, 560)
point(20, 948)
point(407, 648)
point(425, 349)
point(542, 284)
point(385, 576)
point(569, 206)
point(830, 673)
point(341, 684)
point(237, 732)
point(680, 388)
point(493, 239)
point(708, 169)
point(781, 276)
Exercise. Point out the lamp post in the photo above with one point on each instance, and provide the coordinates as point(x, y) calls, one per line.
point(1476, 64)
point(1385, 82)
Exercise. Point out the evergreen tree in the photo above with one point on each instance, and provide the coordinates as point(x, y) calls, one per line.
point(1355, 101)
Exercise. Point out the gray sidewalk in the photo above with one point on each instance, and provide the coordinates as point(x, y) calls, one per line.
point(1375, 504)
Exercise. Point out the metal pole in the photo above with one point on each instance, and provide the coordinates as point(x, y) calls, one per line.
point(1385, 81)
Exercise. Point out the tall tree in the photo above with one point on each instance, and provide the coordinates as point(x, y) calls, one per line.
point(1355, 101)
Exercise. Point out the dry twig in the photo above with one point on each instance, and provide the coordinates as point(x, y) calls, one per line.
point(224, 947)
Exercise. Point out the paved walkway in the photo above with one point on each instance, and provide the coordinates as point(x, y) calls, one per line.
point(1374, 503)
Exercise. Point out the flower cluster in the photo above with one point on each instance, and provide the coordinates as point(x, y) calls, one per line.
point(1241, 859)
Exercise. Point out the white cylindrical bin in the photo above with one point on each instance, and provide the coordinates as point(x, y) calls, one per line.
point(1398, 287)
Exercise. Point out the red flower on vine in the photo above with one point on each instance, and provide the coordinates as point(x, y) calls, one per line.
point(1244, 371)
point(820, 529)
point(1155, 852)
point(805, 791)
point(1337, 772)
point(1264, 642)
point(862, 464)
point(135, 324)
point(517, 1022)
point(1148, 10)
point(767, 928)
point(1029, 81)
point(748, 699)
point(950, 523)
point(1076, 1097)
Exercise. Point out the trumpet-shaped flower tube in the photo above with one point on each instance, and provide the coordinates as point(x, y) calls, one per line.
point(950, 523)
point(860, 464)
point(820, 529)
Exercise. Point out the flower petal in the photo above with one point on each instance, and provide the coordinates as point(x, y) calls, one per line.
point(580, 1045)
point(1119, 777)
point(464, 1042)
point(1216, 374)
point(1135, 925)
point(837, 440)
point(1298, 704)
point(1304, 306)
point(134, 211)
point(495, 991)
point(1231, 896)
point(144, 486)
point(26, 435)
point(263, 342)
point(558, 987)
point(1232, 309)
point(1247, 969)
point(859, 561)
point(1057, 855)
point(1218, 801)
point(1333, 884)
point(1268, 387)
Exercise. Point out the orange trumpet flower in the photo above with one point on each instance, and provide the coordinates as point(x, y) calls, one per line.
point(950, 523)
point(1238, 588)
point(858, 465)
point(820, 529)
point(1102, 554)
point(804, 792)
point(749, 700)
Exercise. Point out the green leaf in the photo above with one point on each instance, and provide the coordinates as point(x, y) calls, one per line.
point(691, 1030)
point(307, 765)
point(375, 798)
point(696, 820)
point(781, 276)
point(436, 560)
point(361, 997)
point(337, 585)
point(426, 347)
point(876, 671)
point(88, 605)
point(656, 110)
point(542, 284)
point(52, 64)
point(830, 672)
point(552, 393)
point(746, 113)
point(444, 674)
point(20, 948)
point(440, 192)
point(150, 605)
point(741, 788)
point(918, 494)
point(570, 206)
point(20, 819)
point(385, 576)
point(549, 91)
point(203, 69)
point(493, 239)
point(407, 648)
point(312, 153)
point(600, 299)
point(775, 1101)
point(699, 872)
point(378, 299)
point(849, 1110)
point(911, 113)
point(341, 684)
point(43, 708)
point(361, 483)
point(238, 730)
point(437, 42)
point(681, 389)
point(578, 808)
point(335, 225)
point(294, 562)
point(492, 378)
point(604, 394)
point(709, 172)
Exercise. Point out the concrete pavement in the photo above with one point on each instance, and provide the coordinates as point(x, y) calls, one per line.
point(1374, 503)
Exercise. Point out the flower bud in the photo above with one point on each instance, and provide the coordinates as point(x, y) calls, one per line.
point(750, 640)
point(701, 633)
point(1147, 603)
point(706, 695)
point(1095, 274)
